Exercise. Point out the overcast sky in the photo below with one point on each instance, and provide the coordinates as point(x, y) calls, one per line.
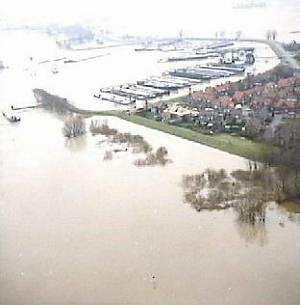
point(146, 16)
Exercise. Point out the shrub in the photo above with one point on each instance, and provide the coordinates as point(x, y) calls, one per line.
point(74, 126)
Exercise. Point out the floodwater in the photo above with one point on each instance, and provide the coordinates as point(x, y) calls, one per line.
point(79, 230)
point(79, 81)
point(75, 229)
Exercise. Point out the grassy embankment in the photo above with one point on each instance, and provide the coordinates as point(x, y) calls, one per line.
point(228, 143)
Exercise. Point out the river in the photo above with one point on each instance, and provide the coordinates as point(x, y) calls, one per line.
point(75, 229)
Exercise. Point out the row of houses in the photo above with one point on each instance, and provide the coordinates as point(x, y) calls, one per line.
point(283, 94)
point(224, 108)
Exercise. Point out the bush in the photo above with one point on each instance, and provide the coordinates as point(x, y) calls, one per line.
point(74, 126)
point(157, 158)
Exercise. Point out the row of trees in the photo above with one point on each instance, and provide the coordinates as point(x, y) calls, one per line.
point(271, 35)
point(285, 156)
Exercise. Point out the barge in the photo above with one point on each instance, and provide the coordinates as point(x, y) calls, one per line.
point(117, 99)
point(193, 57)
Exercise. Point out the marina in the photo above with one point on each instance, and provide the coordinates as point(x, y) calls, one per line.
point(144, 89)
point(180, 78)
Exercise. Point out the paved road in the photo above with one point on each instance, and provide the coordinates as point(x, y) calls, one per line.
point(284, 56)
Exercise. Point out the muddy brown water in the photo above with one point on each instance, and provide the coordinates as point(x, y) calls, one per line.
point(75, 229)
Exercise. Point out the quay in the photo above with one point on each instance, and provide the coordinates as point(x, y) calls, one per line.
point(193, 57)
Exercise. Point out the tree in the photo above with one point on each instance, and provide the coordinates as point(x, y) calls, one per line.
point(74, 126)
point(286, 157)
point(268, 35)
point(254, 128)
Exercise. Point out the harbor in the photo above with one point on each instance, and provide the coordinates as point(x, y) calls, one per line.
point(144, 90)
point(221, 62)
point(170, 82)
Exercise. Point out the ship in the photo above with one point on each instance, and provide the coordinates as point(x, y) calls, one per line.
point(248, 4)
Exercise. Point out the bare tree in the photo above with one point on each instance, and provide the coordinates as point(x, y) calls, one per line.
point(268, 35)
point(74, 126)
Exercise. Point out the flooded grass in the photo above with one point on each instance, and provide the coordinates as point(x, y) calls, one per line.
point(136, 143)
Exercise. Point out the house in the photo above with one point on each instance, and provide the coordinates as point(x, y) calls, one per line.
point(178, 112)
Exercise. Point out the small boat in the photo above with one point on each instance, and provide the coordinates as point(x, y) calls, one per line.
point(55, 70)
point(11, 118)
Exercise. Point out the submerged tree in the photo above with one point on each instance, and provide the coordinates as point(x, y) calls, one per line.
point(74, 126)
point(154, 158)
point(246, 191)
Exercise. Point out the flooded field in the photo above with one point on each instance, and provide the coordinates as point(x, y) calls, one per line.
point(76, 229)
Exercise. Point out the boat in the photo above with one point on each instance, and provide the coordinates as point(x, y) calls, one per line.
point(55, 70)
point(146, 49)
point(235, 70)
point(248, 4)
point(11, 118)
point(192, 57)
point(117, 99)
point(157, 92)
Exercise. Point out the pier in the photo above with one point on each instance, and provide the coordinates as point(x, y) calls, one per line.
point(23, 108)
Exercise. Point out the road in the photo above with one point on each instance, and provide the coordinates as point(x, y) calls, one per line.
point(284, 56)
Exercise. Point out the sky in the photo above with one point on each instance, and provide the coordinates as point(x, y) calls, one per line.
point(152, 16)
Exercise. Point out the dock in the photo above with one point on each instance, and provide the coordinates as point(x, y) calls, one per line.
point(203, 73)
point(193, 57)
point(23, 108)
point(113, 98)
point(235, 70)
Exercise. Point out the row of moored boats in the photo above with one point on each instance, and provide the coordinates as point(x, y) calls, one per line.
point(158, 86)
point(143, 90)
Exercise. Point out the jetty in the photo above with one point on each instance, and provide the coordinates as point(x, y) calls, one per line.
point(193, 57)
point(23, 108)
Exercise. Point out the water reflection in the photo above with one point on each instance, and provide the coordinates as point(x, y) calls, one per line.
point(292, 210)
point(247, 192)
point(136, 144)
point(76, 144)
point(255, 232)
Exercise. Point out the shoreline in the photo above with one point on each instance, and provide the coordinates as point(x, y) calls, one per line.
point(235, 145)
